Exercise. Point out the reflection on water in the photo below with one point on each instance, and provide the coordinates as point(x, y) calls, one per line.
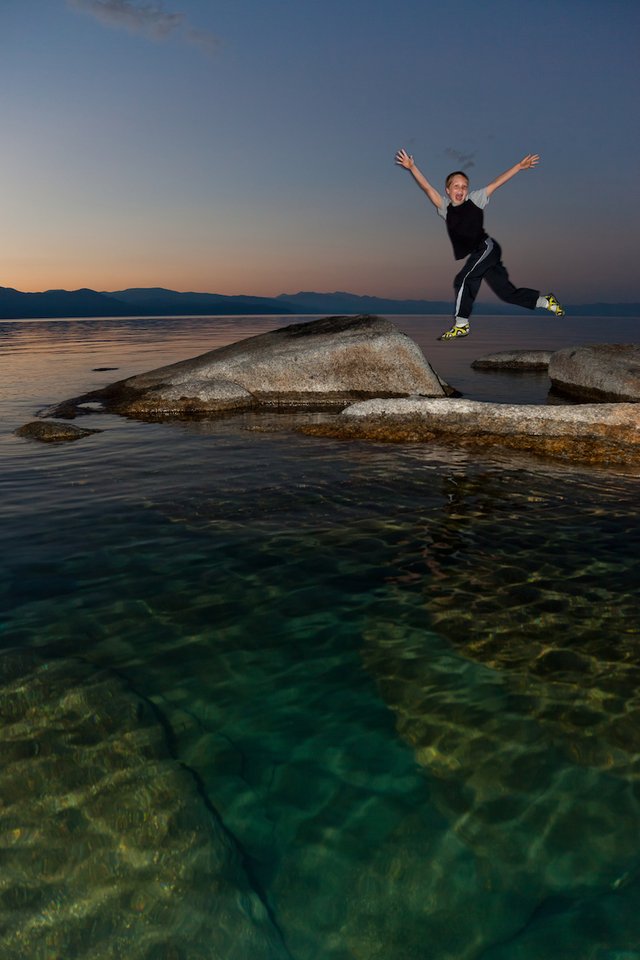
point(288, 697)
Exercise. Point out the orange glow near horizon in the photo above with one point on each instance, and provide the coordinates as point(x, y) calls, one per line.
point(270, 278)
point(133, 160)
point(261, 276)
point(254, 257)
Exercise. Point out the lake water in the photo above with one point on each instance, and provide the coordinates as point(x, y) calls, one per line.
point(270, 696)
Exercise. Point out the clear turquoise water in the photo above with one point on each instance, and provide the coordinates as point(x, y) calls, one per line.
point(396, 686)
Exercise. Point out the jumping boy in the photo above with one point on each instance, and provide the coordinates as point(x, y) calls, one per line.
point(463, 214)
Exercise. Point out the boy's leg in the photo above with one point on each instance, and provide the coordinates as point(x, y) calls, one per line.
point(467, 282)
point(498, 280)
point(466, 286)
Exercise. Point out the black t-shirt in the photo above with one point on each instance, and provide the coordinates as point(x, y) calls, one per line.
point(465, 223)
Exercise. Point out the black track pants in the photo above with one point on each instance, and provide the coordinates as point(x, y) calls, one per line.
point(485, 264)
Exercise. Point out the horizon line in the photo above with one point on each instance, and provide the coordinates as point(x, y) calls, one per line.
point(299, 293)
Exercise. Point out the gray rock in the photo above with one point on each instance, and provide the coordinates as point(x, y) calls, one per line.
point(190, 399)
point(604, 371)
point(589, 432)
point(322, 363)
point(514, 360)
point(52, 431)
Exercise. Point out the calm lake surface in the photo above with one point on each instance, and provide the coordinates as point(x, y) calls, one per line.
point(269, 696)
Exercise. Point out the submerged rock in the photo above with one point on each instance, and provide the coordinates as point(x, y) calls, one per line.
point(494, 767)
point(322, 363)
point(604, 371)
point(51, 431)
point(518, 686)
point(110, 850)
point(514, 360)
point(591, 432)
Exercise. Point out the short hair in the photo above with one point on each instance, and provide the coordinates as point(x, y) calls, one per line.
point(456, 173)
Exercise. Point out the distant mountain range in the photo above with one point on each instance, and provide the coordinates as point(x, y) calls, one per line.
point(158, 302)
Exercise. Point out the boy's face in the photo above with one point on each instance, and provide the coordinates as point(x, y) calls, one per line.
point(457, 190)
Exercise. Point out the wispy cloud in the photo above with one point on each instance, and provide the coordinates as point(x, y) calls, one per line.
point(150, 20)
point(204, 39)
point(466, 160)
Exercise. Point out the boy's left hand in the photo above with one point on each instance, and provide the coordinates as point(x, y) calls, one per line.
point(529, 161)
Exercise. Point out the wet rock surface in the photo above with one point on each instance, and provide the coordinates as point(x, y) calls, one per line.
point(51, 431)
point(593, 433)
point(197, 398)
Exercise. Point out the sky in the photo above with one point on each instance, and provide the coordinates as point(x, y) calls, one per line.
point(247, 146)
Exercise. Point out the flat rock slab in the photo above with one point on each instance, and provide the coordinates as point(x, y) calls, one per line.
point(602, 371)
point(593, 433)
point(51, 431)
point(514, 360)
point(322, 363)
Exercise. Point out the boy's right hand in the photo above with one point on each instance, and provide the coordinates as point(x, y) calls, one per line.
point(403, 159)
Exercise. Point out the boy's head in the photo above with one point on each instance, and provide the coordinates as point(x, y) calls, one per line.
point(457, 187)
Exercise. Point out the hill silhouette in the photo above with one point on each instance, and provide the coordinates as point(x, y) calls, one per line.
point(160, 302)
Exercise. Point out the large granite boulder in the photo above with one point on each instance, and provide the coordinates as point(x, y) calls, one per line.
point(603, 371)
point(322, 363)
point(594, 433)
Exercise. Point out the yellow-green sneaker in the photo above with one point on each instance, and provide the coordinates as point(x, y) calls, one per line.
point(455, 332)
point(554, 305)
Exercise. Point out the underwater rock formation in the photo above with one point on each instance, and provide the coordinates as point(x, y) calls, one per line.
point(110, 850)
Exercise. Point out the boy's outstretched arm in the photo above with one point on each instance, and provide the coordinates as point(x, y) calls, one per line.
point(403, 159)
point(526, 163)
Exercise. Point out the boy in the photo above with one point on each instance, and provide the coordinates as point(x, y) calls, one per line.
point(463, 214)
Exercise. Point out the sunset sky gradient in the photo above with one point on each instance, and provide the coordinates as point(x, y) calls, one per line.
point(246, 146)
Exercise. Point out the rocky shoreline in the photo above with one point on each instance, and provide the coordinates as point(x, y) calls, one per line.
point(379, 386)
point(590, 433)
